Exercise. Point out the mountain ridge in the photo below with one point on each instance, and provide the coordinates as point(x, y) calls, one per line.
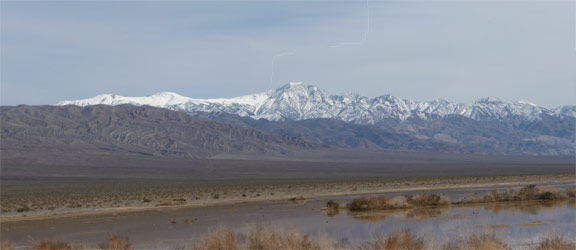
point(299, 101)
point(450, 134)
point(129, 129)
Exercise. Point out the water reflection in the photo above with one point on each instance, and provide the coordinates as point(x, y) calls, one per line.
point(527, 207)
point(413, 213)
point(520, 223)
point(444, 212)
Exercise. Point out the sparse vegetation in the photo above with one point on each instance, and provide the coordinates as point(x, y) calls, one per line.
point(407, 201)
point(51, 245)
point(46, 197)
point(23, 209)
point(264, 238)
point(477, 242)
point(421, 200)
point(221, 239)
point(400, 240)
point(115, 242)
point(556, 242)
point(369, 203)
point(298, 198)
point(332, 208)
point(272, 238)
point(189, 221)
point(7, 245)
point(332, 205)
point(528, 193)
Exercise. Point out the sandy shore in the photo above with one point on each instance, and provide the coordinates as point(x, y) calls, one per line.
point(309, 191)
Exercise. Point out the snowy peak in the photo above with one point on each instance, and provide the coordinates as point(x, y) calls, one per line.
point(298, 90)
point(489, 100)
point(298, 101)
point(566, 110)
point(161, 99)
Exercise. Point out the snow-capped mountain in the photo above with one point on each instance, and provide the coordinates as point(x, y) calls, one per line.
point(566, 110)
point(298, 101)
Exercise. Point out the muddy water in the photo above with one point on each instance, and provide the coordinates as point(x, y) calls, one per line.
point(518, 223)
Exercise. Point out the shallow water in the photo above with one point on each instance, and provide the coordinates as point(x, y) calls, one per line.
point(518, 223)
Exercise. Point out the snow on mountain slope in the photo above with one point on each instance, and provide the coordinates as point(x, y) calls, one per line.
point(566, 110)
point(298, 101)
point(159, 100)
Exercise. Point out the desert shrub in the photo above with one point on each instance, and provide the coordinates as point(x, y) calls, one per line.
point(373, 203)
point(332, 205)
point(530, 192)
point(221, 239)
point(51, 245)
point(189, 221)
point(400, 240)
point(428, 200)
point(115, 242)
point(477, 242)
point(556, 242)
point(74, 205)
point(23, 209)
point(7, 245)
point(271, 238)
point(571, 192)
point(407, 201)
point(367, 203)
point(297, 198)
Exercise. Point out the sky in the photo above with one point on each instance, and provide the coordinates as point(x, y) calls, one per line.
point(423, 50)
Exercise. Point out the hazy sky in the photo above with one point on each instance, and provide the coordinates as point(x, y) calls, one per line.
point(455, 50)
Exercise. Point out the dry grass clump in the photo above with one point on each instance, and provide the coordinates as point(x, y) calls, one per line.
point(528, 193)
point(23, 209)
point(477, 242)
point(407, 201)
point(261, 238)
point(421, 200)
point(374, 203)
point(401, 240)
point(50, 245)
point(332, 208)
point(571, 192)
point(221, 239)
point(115, 242)
point(271, 238)
point(332, 205)
point(7, 245)
point(297, 198)
point(556, 242)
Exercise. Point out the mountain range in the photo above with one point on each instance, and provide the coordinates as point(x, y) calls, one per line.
point(294, 117)
point(131, 130)
point(298, 101)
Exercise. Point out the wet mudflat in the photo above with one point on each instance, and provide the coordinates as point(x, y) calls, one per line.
point(520, 223)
